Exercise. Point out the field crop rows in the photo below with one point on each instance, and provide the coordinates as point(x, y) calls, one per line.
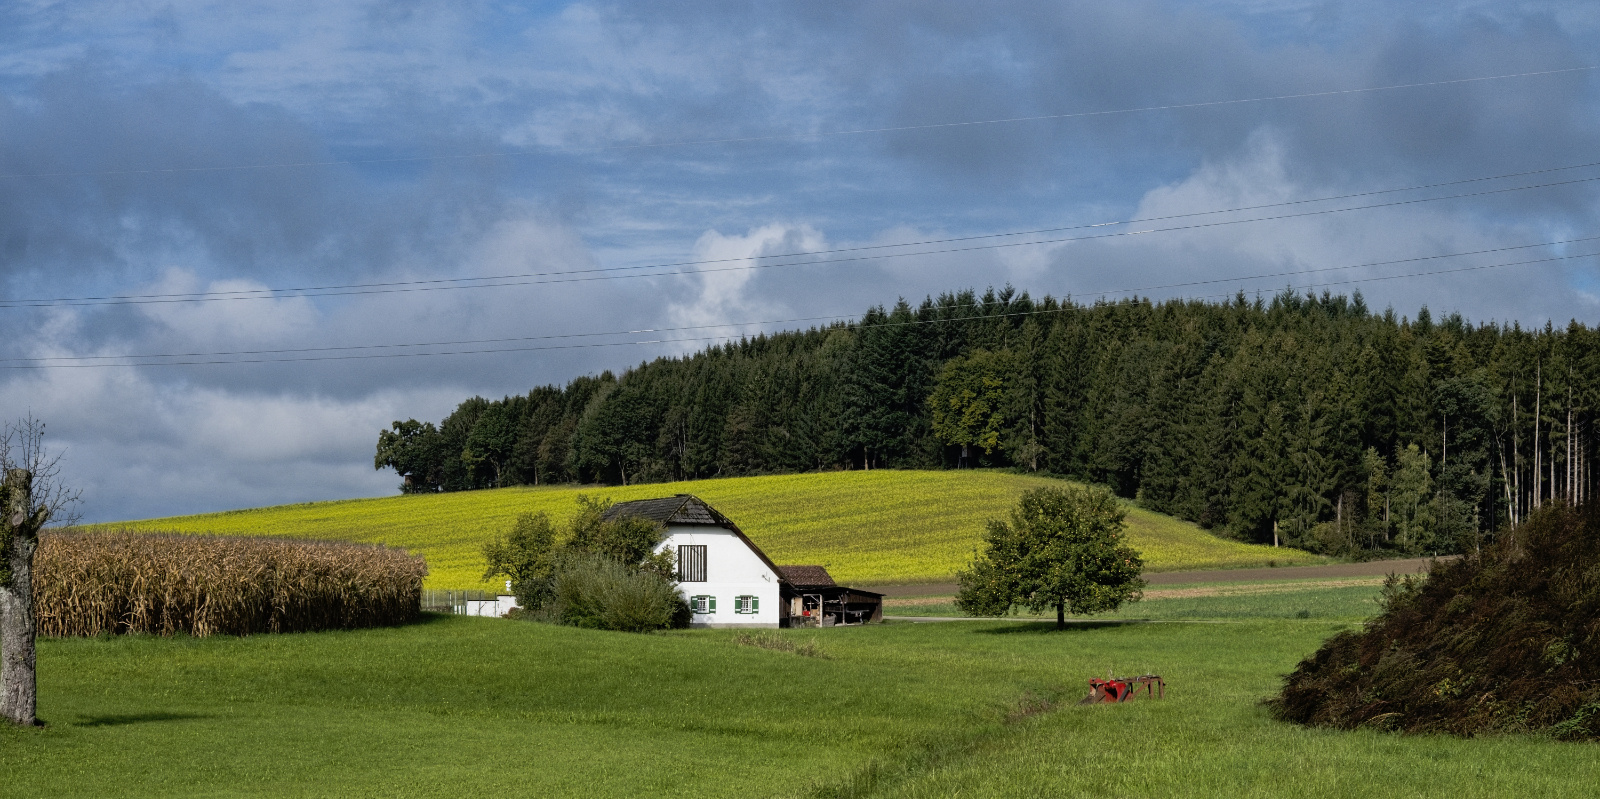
point(457, 707)
point(866, 527)
point(118, 582)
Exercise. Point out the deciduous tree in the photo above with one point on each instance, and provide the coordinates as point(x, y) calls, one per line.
point(1061, 548)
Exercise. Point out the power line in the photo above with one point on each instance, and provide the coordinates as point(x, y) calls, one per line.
point(791, 136)
point(33, 362)
point(607, 273)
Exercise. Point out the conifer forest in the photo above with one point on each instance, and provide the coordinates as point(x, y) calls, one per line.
point(1309, 421)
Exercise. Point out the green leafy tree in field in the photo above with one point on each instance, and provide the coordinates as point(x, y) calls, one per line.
point(525, 555)
point(1061, 548)
point(970, 398)
point(629, 540)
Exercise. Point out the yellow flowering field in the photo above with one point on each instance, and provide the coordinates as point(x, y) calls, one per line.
point(868, 528)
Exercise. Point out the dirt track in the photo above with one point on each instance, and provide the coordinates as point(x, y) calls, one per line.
point(1376, 568)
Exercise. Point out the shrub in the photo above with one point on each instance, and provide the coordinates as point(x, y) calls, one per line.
point(1502, 641)
point(605, 575)
point(121, 582)
point(529, 551)
point(594, 591)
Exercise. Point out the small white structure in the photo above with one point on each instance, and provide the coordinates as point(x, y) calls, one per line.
point(497, 607)
point(727, 579)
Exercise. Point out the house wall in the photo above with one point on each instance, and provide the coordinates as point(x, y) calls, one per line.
point(732, 569)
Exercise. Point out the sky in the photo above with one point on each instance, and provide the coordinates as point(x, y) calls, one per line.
point(238, 239)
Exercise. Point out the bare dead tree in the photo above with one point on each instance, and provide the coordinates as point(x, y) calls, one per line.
point(31, 496)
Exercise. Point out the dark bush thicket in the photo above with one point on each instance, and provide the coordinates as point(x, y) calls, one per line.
point(138, 582)
point(1503, 641)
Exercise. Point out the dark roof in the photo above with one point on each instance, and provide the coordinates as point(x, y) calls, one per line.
point(807, 576)
point(687, 509)
point(679, 509)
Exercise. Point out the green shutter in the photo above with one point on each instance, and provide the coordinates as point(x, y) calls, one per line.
point(711, 604)
point(755, 604)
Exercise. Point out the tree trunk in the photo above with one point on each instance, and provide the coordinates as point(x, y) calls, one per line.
point(1538, 454)
point(1061, 615)
point(19, 697)
point(19, 537)
point(1516, 462)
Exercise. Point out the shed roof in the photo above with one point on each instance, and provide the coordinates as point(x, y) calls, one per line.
point(807, 576)
point(688, 509)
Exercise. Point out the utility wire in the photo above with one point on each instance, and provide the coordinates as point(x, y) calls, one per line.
point(834, 317)
point(664, 270)
point(299, 290)
point(367, 356)
point(790, 136)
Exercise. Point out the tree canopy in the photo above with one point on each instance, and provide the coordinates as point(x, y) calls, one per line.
point(1062, 548)
point(1287, 419)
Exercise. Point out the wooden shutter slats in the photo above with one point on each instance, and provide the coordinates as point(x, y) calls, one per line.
point(691, 563)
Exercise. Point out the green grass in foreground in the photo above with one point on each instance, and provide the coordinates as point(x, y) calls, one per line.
point(866, 527)
point(458, 707)
point(1273, 601)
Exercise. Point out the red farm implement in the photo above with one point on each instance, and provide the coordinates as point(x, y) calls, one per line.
point(1124, 689)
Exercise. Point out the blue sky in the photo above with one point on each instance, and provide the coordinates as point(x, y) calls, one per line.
point(157, 148)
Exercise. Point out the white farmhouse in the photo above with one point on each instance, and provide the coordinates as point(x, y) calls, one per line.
point(727, 579)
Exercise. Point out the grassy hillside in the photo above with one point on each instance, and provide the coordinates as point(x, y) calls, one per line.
point(457, 707)
point(866, 527)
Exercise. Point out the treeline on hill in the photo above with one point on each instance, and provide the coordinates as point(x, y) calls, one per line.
point(1306, 420)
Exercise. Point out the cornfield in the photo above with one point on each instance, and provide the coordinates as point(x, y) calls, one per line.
point(86, 584)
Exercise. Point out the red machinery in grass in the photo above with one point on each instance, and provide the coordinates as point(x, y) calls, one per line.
point(1124, 689)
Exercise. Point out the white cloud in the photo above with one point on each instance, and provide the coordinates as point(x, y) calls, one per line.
point(721, 292)
point(226, 322)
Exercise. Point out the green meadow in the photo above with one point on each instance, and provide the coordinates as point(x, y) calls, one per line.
point(459, 707)
point(873, 527)
point(1287, 599)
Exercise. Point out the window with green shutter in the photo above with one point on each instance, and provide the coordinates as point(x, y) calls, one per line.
point(703, 603)
point(747, 604)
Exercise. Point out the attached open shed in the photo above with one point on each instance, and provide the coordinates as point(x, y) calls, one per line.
point(814, 598)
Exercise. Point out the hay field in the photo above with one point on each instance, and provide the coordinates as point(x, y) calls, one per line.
point(867, 527)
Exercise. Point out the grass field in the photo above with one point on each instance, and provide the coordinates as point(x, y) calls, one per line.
point(866, 527)
point(1289, 599)
point(457, 707)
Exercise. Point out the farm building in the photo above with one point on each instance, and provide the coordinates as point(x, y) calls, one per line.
point(730, 582)
point(817, 597)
